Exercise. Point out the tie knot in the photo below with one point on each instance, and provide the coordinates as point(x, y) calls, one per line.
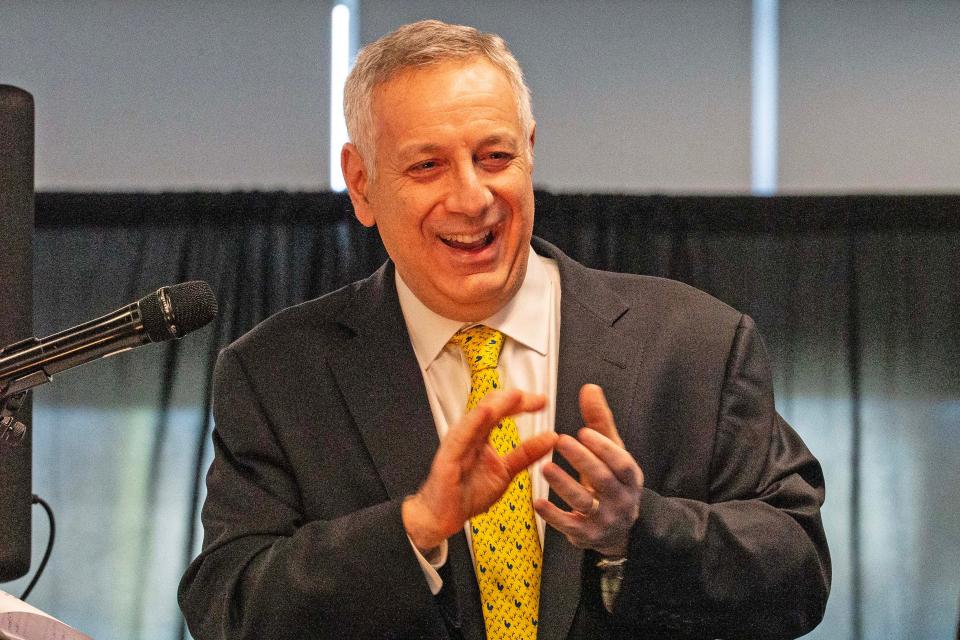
point(480, 345)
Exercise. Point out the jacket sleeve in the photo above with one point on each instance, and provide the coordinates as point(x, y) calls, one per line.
point(751, 560)
point(266, 571)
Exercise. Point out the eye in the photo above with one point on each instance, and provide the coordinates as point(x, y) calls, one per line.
point(424, 167)
point(495, 160)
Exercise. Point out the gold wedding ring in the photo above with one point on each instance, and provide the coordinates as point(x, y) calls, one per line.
point(594, 508)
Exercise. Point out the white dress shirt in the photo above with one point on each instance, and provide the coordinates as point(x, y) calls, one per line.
point(528, 361)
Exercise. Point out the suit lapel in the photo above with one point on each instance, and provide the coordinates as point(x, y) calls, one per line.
point(382, 385)
point(592, 350)
point(472, 626)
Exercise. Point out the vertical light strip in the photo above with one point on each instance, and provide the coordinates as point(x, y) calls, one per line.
point(763, 143)
point(340, 55)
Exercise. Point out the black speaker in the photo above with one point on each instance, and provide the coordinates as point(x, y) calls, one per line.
point(16, 315)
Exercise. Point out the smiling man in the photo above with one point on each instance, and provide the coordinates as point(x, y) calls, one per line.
point(484, 438)
point(450, 186)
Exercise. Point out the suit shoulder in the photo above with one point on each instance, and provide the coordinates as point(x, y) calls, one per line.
point(660, 297)
point(688, 329)
point(670, 297)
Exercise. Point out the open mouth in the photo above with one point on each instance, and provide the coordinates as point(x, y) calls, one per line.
point(468, 241)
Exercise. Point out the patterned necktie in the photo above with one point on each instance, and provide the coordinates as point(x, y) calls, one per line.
point(506, 545)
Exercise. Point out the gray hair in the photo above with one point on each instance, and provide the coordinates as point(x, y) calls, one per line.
point(421, 44)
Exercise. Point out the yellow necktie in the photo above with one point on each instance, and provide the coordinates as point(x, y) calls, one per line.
point(506, 545)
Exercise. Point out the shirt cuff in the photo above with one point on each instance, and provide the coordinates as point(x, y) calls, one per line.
point(430, 566)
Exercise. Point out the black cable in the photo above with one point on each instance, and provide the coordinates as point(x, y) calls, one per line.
point(46, 554)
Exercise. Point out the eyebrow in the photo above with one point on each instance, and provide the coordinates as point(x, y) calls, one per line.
point(431, 148)
point(497, 138)
point(419, 149)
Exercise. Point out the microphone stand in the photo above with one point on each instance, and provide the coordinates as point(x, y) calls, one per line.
point(12, 431)
point(12, 395)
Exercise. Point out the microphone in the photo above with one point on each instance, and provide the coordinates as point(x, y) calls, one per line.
point(166, 314)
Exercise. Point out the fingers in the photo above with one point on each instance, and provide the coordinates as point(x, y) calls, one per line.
point(466, 475)
point(596, 413)
point(604, 468)
point(566, 522)
point(612, 456)
point(475, 427)
point(528, 452)
point(604, 499)
point(569, 490)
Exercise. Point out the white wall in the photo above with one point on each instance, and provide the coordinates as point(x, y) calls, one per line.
point(632, 96)
point(141, 95)
point(870, 96)
point(221, 95)
point(628, 96)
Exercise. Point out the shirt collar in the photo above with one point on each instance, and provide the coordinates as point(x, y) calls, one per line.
point(524, 318)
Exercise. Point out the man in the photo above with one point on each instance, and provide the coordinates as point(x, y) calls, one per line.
point(353, 494)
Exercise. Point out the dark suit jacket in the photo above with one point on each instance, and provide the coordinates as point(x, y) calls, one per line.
point(323, 427)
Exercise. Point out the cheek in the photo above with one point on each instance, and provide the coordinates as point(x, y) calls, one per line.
point(519, 191)
point(406, 233)
point(522, 205)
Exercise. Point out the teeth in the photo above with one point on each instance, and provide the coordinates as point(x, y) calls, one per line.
point(464, 238)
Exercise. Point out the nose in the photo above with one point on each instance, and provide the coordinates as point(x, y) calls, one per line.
point(469, 194)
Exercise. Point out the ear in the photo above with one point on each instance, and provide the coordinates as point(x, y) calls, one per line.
point(531, 141)
point(357, 179)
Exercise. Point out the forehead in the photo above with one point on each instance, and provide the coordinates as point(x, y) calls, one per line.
point(450, 98)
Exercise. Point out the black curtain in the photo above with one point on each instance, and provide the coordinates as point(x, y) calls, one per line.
point(857, 298)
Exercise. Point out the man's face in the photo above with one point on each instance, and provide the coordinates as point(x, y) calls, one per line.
point(452, 190)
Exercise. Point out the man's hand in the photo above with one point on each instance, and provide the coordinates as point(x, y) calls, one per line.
point(605, 502)
point(467, 475)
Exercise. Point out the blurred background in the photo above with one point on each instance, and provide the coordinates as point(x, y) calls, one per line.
point(798, 159)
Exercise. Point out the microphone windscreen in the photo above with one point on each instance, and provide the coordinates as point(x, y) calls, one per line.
point(194, 304)
point(191, 306)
